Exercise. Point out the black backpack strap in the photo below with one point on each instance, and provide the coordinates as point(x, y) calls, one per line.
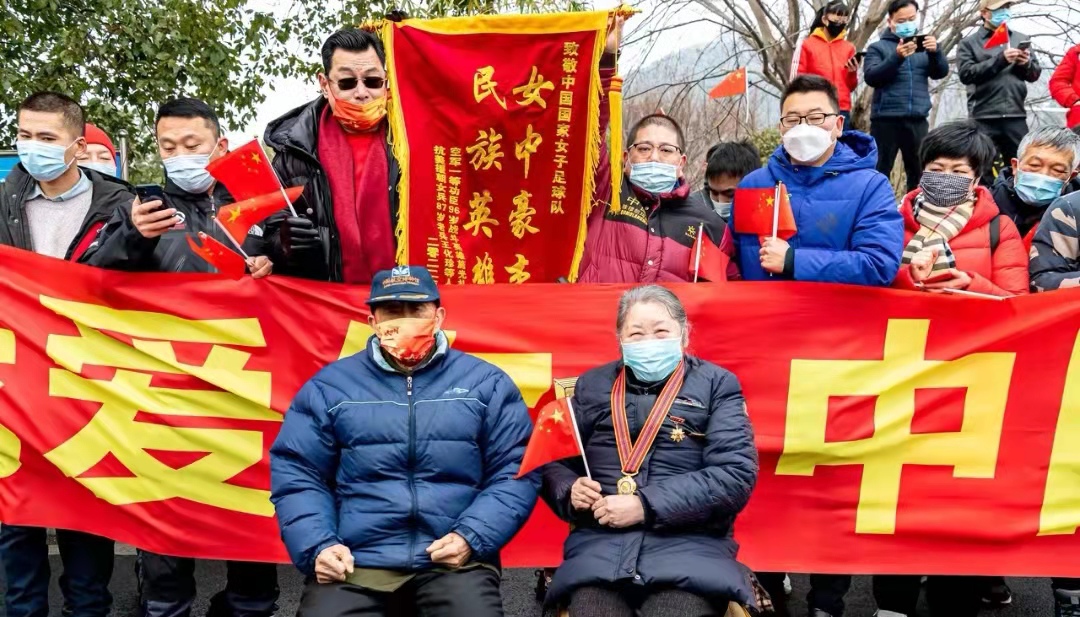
point(995, 233)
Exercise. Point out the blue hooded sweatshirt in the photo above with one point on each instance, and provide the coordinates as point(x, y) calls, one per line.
point(849, 229)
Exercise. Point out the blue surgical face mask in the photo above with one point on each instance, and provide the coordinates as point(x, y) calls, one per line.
point(1000, 16)
point(189, 172)
point(907, 29)
point(1037, 189)
point(44, 162)
point(109, 169)
point(654, 177)
point(654, 359)
point(723, 208)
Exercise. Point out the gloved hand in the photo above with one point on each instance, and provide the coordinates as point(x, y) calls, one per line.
point(297, 233)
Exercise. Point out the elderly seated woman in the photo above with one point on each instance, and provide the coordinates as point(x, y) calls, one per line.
point(672, 457)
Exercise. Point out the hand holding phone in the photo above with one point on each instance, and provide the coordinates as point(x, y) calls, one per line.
point(150, 192)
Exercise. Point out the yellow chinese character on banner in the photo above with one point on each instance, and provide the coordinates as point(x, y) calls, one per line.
point(557, 207)
point(566, 98)
point(480, 214)
point(530, 92)
point(570, 49)
point(10, 445)
point(483, 272)
point(568, 82)
point(521, 217)
point(563, 130)
point(484, 85)
point(558, 192)
point(486, 151)
point(210, 456)
point(569, 66)
point(517, 272)
point(525, 149)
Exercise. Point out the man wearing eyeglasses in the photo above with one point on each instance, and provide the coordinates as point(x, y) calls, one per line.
point(651, 236)
point(336, 147)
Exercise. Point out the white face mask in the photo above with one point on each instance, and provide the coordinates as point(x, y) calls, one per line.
point(109, 169)
point(723, 208)
point(806, 144)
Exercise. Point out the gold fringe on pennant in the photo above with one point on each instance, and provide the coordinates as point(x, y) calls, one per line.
point(592, 151)
point(399, 143)
point(372, 25)
point(616, 150)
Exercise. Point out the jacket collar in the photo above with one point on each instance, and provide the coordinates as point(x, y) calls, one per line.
point(985, 210)
point(217, 197)
point(81, 186)
point(823, 34)
point(442, 347)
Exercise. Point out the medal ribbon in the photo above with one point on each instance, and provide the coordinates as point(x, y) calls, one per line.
point(632, 455)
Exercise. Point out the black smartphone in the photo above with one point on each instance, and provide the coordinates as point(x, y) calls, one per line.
point(151, 192)
point(919, 40)
point(1024, 45)
point(859, 55)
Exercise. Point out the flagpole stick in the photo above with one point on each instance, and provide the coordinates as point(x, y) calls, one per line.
point(232, 239)
point(577, 438)
point(975, 294)
point(776, 210)
point(697, 255)
point(281, 185)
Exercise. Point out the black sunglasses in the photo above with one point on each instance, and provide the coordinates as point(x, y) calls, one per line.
point(350, 83)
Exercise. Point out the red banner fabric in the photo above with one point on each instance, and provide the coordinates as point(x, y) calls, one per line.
point(899, 431)
point(498, 143)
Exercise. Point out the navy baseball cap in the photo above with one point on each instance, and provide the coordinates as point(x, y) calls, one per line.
point(403, 284)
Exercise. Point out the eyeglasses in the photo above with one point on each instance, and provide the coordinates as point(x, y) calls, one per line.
point(350, 83)
point(815, 119)
point(645, 149)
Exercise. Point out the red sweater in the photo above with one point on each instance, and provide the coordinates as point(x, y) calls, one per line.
point(820, 56)
point(1003, 273)
point(1065, 85)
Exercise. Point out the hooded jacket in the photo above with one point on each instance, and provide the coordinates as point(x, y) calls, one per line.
point(294, 138)
point(386, 463)
point(999, 272)
point(108, 194)
point(995, 88)
point(820, 56)
point(1065, 85)
point(901, 85)
point(120, 246)
point(691, 490)
point(849, 229)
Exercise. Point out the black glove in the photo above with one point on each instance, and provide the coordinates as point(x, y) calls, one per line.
point(299, 234)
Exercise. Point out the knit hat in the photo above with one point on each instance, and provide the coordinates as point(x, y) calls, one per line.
point(94, 135)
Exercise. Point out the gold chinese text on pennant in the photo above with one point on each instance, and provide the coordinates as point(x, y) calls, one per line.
point(972, 452)
point(236, 394)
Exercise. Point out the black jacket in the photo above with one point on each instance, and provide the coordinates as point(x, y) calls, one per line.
point(691, 489)
point(995, 88)
point(294, 138)
point(120, 246)
point(108, 194)
point(901, 85)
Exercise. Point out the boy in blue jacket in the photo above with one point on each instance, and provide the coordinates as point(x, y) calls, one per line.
point(849, 229)
point(393, 473)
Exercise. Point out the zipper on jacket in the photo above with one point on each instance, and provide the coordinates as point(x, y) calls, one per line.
point(415, 507)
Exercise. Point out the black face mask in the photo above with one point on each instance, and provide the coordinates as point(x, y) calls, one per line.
point(835, 29)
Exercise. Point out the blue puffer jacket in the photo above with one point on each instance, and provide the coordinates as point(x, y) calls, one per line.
point(849, 227)
point(901, 85)
point(691, 489)
point(386, 464)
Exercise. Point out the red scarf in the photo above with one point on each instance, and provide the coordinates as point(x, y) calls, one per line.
point(362, 213)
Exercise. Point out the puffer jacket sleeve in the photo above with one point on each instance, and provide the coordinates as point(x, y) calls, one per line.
point(1055, 251)
point(303, 461)
point(120, 246)
point(938, 64)
point(881, 65)
point(504, 503)
point(974, 72)
point(877, 242)
point(722, 487)
point(1061, 82)
point(1009, 276)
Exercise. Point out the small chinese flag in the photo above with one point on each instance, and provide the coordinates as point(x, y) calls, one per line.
point(246, 172)
point(732, 85)
point(753, 212)
point(238, 218)
point(554, 437)
point(227, 262)
point(707, 261)
point(1000, 36)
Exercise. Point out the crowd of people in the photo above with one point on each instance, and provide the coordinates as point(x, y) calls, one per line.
point(395, 484)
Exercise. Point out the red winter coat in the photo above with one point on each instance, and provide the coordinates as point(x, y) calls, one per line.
point(1004, 273)
point(820, 56)
point(1065, 85)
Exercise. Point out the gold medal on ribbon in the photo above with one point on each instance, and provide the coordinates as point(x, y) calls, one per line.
point(678, 434)
point(632, 455)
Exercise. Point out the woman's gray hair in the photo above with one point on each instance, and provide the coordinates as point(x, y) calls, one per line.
point(654, 294)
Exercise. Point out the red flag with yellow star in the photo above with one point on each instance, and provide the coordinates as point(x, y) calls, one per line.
point(238, 218)
point(752, 212)
point(732, 85)
point(999, 37)
point(554, 437)
point(246, 172)
point(225, 260)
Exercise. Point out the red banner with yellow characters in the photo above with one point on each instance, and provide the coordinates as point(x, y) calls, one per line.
point(898, 431)
point(496, 122)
